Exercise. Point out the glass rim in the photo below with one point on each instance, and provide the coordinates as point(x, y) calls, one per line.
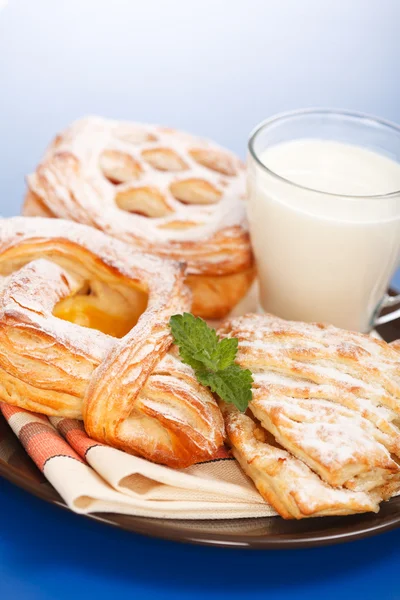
point(319, 111)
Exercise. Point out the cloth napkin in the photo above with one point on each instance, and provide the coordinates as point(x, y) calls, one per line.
point(93, 477)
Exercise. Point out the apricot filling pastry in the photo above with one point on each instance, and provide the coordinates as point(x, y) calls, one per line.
point(84, 333)
point(163, 191)
point(321, 435)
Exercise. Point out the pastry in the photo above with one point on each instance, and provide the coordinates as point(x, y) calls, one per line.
point(321, 433)
point(163, 191)
point(84, 333)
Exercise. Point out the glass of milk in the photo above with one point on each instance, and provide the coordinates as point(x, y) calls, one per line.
point(324, 214)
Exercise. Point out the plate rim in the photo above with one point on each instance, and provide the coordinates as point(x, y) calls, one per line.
point(153, 528)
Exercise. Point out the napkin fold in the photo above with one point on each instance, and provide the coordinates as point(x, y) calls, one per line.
point(92, 477)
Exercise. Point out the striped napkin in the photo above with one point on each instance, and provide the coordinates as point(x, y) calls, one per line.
point(93, 477)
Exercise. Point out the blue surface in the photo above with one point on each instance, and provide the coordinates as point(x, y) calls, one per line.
point(48, 554)
point(215, 67)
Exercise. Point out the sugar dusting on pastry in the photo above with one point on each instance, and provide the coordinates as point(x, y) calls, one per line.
point(216, 232)
point(331, 400)
point(284, 481)
point(129, 391)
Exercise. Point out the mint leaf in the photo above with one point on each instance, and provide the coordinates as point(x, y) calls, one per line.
point(193, 335)
point(233, 384)
point(225, 353)
point(212, 359)
point(189, 359)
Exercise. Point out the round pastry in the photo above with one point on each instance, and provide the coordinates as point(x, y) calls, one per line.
point(84, 333)
point(163, 191)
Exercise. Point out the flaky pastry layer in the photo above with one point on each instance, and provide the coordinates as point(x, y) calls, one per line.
point(325, 412)
point(130, 388)
point(163, 191)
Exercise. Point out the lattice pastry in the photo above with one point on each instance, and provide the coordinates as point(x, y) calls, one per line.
point(321, 436)
point(163, 191)
point(67, 293)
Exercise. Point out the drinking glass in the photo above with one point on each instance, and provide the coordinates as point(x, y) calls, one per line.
point(324, 256)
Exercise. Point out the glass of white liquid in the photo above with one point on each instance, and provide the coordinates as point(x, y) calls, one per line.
point(324, 214)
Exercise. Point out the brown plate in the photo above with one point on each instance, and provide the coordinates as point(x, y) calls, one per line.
point(268, 532)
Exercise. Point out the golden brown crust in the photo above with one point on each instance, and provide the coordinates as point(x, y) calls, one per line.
point(163, 191)
point(133, 393)
point(284, 481)
point(214, 296)
point(330, 400)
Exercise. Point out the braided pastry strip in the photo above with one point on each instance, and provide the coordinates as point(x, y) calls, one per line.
point(163, 191)
point(132, 393)
point(322, 432)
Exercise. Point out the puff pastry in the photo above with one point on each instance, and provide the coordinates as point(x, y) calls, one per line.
point(321, 435)
point(84, 333)
point(161, 190)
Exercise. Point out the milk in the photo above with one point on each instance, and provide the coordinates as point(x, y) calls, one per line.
point(324, 257)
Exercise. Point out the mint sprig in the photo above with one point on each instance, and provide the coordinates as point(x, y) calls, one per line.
point(212, 359)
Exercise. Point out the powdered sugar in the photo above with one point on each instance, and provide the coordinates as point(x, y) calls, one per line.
point(81, 191)
point(59, 367)
point(329, 396)
point(292, 488)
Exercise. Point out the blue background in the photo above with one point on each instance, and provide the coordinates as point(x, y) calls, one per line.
point(47, 554)
point(214, 67)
